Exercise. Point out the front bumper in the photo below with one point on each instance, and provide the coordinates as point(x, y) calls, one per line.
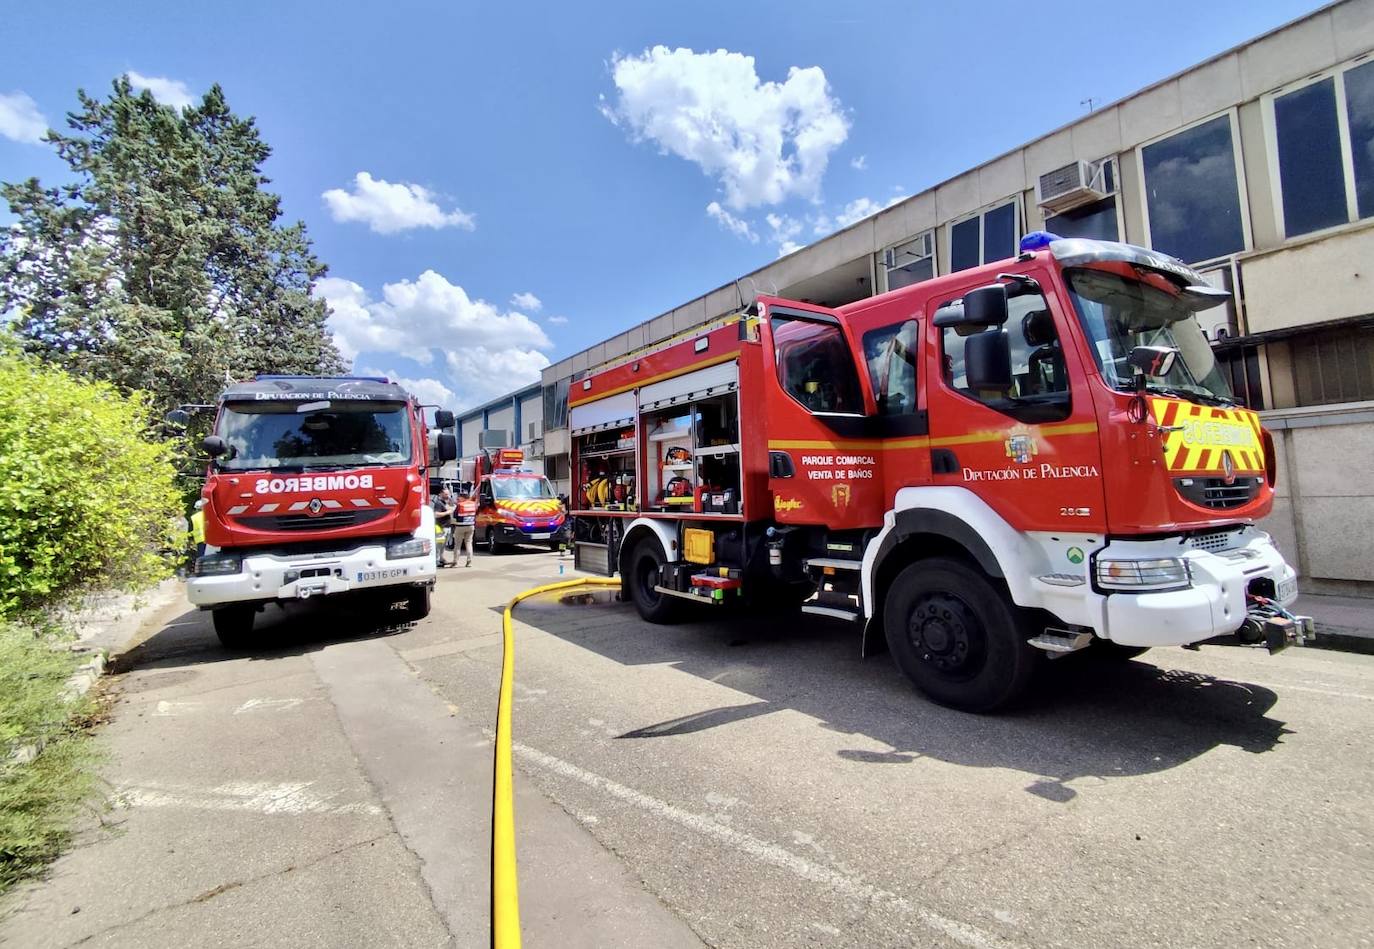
point(1214, 605)
point(513, 534)
point(279, 576)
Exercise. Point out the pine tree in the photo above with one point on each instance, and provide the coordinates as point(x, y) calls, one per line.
point(163, 265)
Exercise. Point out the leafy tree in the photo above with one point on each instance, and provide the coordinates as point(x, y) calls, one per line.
point(163, 265)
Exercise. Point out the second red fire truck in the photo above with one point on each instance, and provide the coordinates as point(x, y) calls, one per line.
point(1034, 457)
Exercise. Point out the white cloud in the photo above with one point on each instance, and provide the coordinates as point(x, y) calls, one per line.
point(737, 226)
point(429, 391)
point(789, 247)
point(763, 141)
point(527, 301)
point(485, 351)
point(388, 208)
point(172, 92)
point(860, 163)
point(20, 120)
point(556, 320)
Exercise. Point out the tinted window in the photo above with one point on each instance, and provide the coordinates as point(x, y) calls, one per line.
point(1040, 380)
point(1359, 101)
point(1192, 193)
point(890, 353)
point(963, 245)
point(1311, 174)
point(815, 366)
point(999, 233)
point(1096, 220)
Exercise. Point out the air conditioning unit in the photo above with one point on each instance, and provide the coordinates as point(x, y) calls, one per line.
point(534, 430)
point(1072, 186)
point(493, 438)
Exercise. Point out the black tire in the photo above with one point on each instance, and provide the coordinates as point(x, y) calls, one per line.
point(493, 546)
point(417, 604)
point(1107, 651)
point(234, 625)
point(957, 636)
point(642, 576)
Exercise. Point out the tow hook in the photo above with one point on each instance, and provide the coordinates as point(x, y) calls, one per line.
point(1268, 623)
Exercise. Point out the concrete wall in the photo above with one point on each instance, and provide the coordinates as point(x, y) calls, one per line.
point(1323, 518)
point(1313, 281)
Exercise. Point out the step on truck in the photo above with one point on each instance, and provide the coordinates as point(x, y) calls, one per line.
point(1023, 460)
point(316, 487)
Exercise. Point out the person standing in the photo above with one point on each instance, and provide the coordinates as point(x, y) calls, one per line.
point(198, 527)
point(464, 526)
point(443, 520)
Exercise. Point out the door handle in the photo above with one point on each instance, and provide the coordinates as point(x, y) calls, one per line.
point(780, 465)
point(944, 461)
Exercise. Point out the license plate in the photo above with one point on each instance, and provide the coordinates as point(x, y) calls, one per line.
point(544, 536)
point(1288, 588)
point(371, 576)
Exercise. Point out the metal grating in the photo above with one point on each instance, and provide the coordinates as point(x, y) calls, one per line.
point(326, 520)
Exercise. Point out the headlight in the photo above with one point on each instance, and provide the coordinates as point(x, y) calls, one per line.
point(219, 565)
point(408, 547)
point(1142, 575)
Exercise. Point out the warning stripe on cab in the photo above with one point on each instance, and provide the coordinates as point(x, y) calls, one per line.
point(1198, 437)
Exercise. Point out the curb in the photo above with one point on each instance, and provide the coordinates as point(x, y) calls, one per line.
point(111, 640)
point(1339, 639)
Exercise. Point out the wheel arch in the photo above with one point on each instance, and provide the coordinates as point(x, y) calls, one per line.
point(642, 527)
point(941, 522)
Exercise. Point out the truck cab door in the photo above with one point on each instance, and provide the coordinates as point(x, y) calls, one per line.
point(824, 461)
point(1011, 416)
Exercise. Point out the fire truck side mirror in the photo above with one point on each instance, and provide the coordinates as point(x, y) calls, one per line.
point(986, 306)
point(214, 446)
point(447, 446)
point(987, 361)
point(1153, 360)
point(443, 418)
point(178, 417)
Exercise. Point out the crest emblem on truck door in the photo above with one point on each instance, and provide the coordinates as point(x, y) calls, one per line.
point(1020, 445)
point(315, 507)
point(839, 495)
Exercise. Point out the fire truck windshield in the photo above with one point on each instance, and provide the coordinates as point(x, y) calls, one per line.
point(522, 489)
point(329, 435)
point(1118, 314)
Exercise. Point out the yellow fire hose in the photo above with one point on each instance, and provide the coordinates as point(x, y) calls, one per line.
point(505, 889)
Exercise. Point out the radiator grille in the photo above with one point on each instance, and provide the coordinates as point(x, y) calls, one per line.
point(326, 520)
point(1216, 493)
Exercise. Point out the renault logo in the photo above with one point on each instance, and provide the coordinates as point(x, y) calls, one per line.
point(316, 506)
point(1228, 468)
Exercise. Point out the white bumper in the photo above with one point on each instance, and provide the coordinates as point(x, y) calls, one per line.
point(295, 577)
point(1214, 605)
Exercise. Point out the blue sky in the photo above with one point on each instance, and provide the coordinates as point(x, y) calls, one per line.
point(495, 186)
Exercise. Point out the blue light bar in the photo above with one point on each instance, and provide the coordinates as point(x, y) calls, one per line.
point(1037, 240)
point(273, 377)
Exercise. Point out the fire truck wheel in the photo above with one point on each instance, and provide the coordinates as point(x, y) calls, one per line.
point(957, 636)
point(417, 604)
point(493, 546)
point(654, 607)
point(234, 625)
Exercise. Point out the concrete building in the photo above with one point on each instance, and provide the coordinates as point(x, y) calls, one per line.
point(1256, 166)
point(511, 421)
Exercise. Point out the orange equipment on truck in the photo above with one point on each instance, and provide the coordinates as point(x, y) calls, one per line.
point(316, 487)
point(514, 505)
point(1034, 457)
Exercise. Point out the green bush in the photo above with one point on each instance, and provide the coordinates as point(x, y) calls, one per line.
point(86, 497)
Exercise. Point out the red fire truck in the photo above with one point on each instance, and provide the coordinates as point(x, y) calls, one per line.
point(1033, 457)
point(514, 505)
point(316, 487)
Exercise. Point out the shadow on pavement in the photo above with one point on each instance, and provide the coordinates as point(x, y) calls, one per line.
point(293, 629)
point(1084, 718)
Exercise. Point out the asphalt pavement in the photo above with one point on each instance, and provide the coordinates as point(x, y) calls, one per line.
point(729, 781)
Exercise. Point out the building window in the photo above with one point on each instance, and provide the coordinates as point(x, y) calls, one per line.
point(1192, 192)
point(1333, 365)
point(1096, 220)
point(909, 263)
point(987, 236)
point(1325, 174)
point(556, 405)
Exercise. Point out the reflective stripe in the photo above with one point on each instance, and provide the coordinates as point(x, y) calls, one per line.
point(390, 502)
point(237, 509)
